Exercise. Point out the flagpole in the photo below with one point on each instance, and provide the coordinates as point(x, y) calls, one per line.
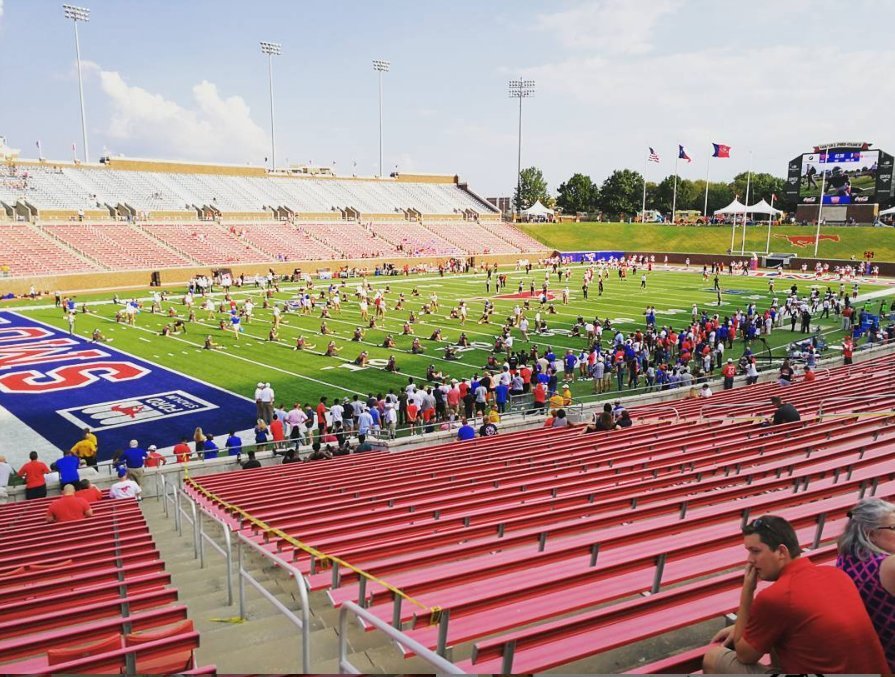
point(748, 184)
point(643, 211)
point(820, 207)
point(674, 194)
point(767, 249)
point(705, 205)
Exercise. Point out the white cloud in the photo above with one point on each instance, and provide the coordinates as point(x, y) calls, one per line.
point(211, 128)
point(1, 9)
point(612, 26)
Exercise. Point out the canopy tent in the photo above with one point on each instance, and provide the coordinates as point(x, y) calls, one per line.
point(886, 212)
point(762, 208)
point(537, 209)
point(735, 207)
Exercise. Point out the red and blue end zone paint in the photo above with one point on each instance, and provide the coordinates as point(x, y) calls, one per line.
point(58, 385)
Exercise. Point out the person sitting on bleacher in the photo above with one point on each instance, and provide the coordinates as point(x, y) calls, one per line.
point(785, 412)
point(125, 487)
point(68, 508)
point(812, 619)
point(867, 555)
point(88, 491)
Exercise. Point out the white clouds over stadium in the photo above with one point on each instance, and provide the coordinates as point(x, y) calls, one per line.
point(211, 127)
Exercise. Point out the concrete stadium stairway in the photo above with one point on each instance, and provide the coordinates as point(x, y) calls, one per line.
point(266, 642)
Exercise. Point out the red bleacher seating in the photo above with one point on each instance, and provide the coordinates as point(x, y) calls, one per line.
point(81, 596)
point(558, 530)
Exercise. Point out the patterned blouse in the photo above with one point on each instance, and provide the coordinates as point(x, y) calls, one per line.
point(879, 602)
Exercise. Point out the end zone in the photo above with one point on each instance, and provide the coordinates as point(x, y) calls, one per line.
point(54, 385)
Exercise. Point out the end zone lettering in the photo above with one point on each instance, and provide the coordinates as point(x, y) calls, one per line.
point(56, 385)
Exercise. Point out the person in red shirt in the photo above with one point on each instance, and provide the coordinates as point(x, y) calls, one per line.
point(68, 508)
point(321, 415)
point(276, 432)
point(153, 458)
point(540, 397)
point(182, 451)
point(729, 371)
point(33, 473)
point(848, 350)
point(88, 492)
point(810, 376)
point(525, 373)
point(412, 411)
point(811, 619)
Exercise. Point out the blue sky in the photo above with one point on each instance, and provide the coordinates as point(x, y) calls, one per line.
point(186, 80)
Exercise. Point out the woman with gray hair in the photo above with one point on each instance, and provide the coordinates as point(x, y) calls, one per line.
point(867, 555)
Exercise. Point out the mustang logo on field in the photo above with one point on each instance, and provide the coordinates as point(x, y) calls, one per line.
point(105, 415)
point(805, 240)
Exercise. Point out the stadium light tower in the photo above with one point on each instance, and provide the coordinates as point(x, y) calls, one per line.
point(272, 49)
point(380, 67)
point(77, 14)
point(520, 89)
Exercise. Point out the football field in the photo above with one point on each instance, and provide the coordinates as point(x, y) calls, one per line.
point(303, 376)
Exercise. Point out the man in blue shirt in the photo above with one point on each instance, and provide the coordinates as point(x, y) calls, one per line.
point(500, 396)
point(133, 458)
point(67, 466)
point(211, 449)
point(234, 444)
point(466, 431)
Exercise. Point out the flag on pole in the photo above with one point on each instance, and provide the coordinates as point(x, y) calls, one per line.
point(653, 156)
point(682, 154)
point(721, 150)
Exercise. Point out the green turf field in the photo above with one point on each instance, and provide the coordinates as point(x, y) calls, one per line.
point(653, 238)
point(304, 376)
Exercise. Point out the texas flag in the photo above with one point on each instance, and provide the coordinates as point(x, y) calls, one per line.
point(721, 150)
point(682, 154)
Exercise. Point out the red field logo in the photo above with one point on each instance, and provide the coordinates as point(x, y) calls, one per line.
point(805, 240)
point(526, 295)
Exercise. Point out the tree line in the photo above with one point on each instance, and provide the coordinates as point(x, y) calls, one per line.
point(621, 193)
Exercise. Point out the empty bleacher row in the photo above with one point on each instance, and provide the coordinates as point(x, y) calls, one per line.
point(83, 247)
point(71, 188)
point(537, 548)
point(89, 596)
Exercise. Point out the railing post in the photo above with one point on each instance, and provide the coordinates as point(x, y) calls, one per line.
point(396, 611)
point(509, 652)
point(242, 585)
point(201, 538)
point(441, 649)
point(821, 521)
point(228, 539)
point(178, 517)
point(660, 569)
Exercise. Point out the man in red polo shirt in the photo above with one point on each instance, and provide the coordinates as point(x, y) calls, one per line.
point(182, 451)
point(812, 618)
point(33, 473)
point(68, 508)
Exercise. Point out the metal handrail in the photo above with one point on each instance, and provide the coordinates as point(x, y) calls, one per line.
point(820, 408)
point(303, 623)
point(441, 665)
point(649, 415)
point(226, 552)
point(744, 405)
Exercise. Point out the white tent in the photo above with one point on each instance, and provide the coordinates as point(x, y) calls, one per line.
point(735, 207)
point(762, 208)
point(537, 209)
point(886, 212)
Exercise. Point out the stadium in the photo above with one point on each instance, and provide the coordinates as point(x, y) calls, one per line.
point(282, 419)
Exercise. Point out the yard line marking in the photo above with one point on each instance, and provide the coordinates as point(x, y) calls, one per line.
point(243, 359)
